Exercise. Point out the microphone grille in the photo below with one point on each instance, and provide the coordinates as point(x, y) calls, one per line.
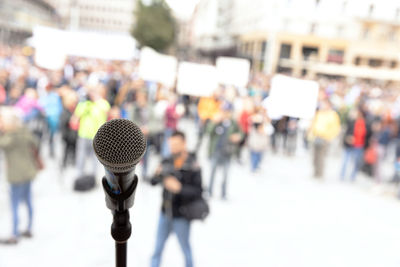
point(119, 145)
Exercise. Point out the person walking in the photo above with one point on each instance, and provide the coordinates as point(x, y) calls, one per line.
point(258, 143)
point(20, 148)
point(354, 142)
point(324, 128)
point(69, 132)
point(225, 136)
point(180, 176)
point(89, 115)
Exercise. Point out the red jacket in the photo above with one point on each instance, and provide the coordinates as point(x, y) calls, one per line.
point(360, 131)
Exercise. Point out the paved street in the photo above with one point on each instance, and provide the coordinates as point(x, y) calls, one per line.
point(278, 217)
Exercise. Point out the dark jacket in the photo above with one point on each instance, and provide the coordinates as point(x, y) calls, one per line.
point(190, 178)
point(219, 145)
point(68, 135)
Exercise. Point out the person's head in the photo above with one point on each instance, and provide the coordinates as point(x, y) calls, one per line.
point(177, 143)
point(326, 105)
point(114, 113)
point(227, 111)
point(9, 119)
point(70, 99)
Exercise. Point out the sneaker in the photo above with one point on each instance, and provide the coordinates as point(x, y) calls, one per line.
point(27, 234)
point(10, 241)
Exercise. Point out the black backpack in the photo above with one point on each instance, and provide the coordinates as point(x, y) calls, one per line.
point(84, 183)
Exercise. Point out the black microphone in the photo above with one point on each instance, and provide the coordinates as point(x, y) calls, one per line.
point(119, 145)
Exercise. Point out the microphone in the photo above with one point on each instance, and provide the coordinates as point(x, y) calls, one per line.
point(119, 145)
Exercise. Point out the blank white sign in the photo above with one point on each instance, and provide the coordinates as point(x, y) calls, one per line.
point(157, 67)
point(293, 97)
point(196, 79)
point(233, 71)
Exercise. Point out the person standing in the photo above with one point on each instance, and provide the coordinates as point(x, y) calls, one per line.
point(206, 110)
point(354, 142)
point(225, 136)
point(324, 128)
point(53, 107)
point(20, 147)
point(258, 143)
point(89, 115)
point(180, 176)
point(171, 121)
point(68, 131)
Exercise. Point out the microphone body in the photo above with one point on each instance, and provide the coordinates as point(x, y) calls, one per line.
point(119, 145)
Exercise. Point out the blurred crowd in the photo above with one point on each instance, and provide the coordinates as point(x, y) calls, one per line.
point(38, 106)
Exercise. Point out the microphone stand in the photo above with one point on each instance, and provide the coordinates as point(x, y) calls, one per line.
point(121, 228)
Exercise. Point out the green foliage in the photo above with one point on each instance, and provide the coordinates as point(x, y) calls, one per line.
point(155, 25)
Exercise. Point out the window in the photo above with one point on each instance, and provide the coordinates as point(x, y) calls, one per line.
point(335, 56)
point(393, 64)
point(263, 48)
point(340, 30)
point(357, 61)
point(309, 51)
point(371, 10)
point(285, 51)
point(313, 28)
point(344, 6)
point(366, 33)
point(373, 62)
point(392, 34)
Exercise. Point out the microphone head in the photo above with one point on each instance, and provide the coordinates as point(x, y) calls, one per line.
point(119, 145)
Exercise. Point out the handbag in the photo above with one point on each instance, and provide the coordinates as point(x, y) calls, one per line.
point(196, 210)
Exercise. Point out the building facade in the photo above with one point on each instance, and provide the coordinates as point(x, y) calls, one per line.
point(96, 15)
point(341, 38)
point(18, 17)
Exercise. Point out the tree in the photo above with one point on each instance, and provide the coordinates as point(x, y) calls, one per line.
point(155, 25)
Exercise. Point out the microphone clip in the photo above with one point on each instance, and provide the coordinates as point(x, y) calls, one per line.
point(121, 227)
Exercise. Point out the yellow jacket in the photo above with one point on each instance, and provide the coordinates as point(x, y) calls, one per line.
point(326, 125)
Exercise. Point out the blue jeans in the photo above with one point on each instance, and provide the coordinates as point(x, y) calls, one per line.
point(19, 193)
point(255, 159)
point(165, 152)
point(353, 155)
point(224, 163)
point(181, 227)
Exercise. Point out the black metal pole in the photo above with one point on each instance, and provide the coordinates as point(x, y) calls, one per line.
point(120, 254)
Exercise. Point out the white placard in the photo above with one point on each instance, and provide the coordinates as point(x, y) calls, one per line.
point(196, 79)
point(293, 97)
point(233, 71)
point(83, 44)
point(157, 67)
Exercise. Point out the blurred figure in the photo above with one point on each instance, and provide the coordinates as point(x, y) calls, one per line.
point(291, 142)
point(20, 148)
point(90, 115)
point(32, 112)
point(141, 115)
point(258, 143)
point(354, 142)
point(180, 176)
point(171, 121)
point(225, 136)
point(207, 108)
point(324, 128)
point(69, 132)
point(52, 106)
